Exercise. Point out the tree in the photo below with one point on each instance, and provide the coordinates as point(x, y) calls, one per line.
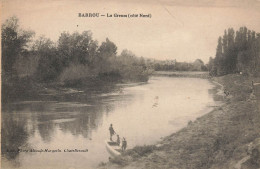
point(14, 43)
point(238, 51)
point(106, 57)
point(198, 65)
point(77, 48)
point(210, 67)
point(225, 42)
point(50, 64)
point(219, 59)
point(230, 54)
point(107, 49)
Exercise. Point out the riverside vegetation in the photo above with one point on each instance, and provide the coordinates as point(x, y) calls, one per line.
point(223, 138)
point(219, 139)
point(75, 60)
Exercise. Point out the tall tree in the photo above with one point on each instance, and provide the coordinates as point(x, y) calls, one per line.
point(225, 42)
point(238, 52)
point(107, 49)
point(106, 56)
point(77, 48)
point(14, 43)
point(219, 59)
point(50, 63)
point(230, 55)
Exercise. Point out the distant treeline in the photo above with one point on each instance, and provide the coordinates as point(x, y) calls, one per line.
point(237, 52)
point(173, 65)
point(74, 56)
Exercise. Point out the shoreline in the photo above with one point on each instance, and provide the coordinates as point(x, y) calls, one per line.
point(217, 139)
point(184, 74)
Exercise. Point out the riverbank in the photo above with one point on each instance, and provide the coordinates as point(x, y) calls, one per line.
point(185, 74)
point(27, 88)
point(219, 139)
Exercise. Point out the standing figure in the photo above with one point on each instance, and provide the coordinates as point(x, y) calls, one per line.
point(124, 144)
point(226, 92)
point(252, 86)
point(112, 132)
point(118, 140)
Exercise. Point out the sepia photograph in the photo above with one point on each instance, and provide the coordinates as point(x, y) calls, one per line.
point(134, 84)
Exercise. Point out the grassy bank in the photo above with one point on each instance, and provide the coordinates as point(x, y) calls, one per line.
point(27, 88)
point(219, 139)
point(185, 74)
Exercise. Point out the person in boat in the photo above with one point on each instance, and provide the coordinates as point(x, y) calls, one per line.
point(112, 131)
point(118, 140)
point(124, 144)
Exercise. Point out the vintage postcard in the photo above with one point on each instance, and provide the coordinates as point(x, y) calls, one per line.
point(130, 84)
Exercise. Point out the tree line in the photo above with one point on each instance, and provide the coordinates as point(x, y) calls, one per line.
point(237, 52)
point(74, 56)
point(173, 65)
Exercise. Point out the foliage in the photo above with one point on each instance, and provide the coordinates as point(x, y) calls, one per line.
point(131, 67)
point(50, 64)
point(77, 48)
point(73, 57)
point(140, 151)
point(169, 65)
point(15, 43)
point(119, 161)
point(237, 52)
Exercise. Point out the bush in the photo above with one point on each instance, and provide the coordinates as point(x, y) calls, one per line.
point(139, 151)
point(74, 72)
point(119, 160)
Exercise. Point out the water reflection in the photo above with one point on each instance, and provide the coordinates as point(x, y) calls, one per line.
point(22, 120)
point(81, 120)
point(46, 131)
point(14, 134)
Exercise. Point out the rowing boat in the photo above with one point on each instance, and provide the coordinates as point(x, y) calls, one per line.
point(113, 148)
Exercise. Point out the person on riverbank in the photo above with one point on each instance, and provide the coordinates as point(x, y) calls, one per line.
point(124, 144)
point(252, 86)
point(226, 92)
point(118, 140)
point(112, 131)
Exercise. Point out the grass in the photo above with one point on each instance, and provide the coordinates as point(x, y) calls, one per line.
point(140, 151)
point(218, 139)
point(119, 160)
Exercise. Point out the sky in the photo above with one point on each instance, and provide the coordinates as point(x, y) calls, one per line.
point(181, 30)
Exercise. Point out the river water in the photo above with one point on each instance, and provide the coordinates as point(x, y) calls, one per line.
point(143, 113)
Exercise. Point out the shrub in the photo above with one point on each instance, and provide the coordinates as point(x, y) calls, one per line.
point(139, 151)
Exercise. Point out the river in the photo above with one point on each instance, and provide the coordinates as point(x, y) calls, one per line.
point(143, 113)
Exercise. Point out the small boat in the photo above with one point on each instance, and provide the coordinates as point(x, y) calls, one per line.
point(113, 148)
